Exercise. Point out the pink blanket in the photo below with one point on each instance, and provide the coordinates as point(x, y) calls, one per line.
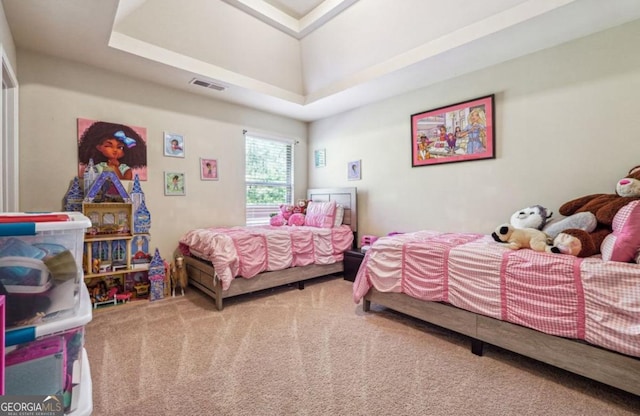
point(587, 299)
point(247, 251)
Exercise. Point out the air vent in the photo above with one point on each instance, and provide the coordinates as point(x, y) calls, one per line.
point(207, 84)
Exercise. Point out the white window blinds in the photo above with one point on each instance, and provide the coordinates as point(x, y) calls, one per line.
point(268, 176)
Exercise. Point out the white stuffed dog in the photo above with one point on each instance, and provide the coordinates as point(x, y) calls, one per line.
point(517, 238)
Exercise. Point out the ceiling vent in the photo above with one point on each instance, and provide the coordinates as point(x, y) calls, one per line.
point(207, 84)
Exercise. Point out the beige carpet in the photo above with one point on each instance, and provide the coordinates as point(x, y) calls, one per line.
point(314, 352)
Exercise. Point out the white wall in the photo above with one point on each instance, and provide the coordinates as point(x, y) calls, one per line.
point(54, 93)
point(565, 127)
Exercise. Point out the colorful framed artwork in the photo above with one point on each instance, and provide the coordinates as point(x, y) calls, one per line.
point(104, 146)
point(208, 169)
point(174, 183)
point(455, 133)
point(354, 173)
point(173, 145)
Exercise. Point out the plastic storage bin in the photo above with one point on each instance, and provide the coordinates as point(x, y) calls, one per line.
point(83, 399)
point(49, 358)
point(41, 265)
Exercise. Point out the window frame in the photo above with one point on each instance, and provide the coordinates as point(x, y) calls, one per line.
point(259, 214)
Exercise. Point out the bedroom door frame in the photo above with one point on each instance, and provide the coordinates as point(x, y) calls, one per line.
point(9, 156)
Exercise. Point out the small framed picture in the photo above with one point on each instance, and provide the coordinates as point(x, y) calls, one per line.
point(174, 183)
point(320, 158)
point(354, 173)
point(173, 145)
point(208, 169)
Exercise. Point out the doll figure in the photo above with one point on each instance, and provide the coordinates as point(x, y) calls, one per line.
point(476, 131)
point(114, 147)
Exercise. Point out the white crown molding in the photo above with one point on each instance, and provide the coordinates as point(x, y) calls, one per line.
point(276, 18)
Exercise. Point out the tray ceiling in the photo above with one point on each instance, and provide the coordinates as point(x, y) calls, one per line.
point(305, 59)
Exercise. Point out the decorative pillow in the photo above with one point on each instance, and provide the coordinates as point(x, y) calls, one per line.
point(277, 220)
point(320, 214)
point(337, 222)
point(623, 243)
point(297, 219)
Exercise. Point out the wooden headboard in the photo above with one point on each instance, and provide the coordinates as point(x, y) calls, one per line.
point(347, 197)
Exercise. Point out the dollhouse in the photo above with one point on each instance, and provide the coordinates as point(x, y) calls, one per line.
point(157, 277)
point(116, 252)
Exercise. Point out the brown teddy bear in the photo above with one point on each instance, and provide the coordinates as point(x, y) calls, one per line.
point(604, 206)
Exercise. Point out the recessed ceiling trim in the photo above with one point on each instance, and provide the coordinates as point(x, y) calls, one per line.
point(287, 24)
point(322, 14)
point(430, 50)
point(173, 59)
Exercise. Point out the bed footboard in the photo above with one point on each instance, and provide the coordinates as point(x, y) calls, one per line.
point(202, 275)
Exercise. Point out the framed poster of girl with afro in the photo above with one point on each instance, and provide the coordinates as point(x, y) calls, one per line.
point(112, 146)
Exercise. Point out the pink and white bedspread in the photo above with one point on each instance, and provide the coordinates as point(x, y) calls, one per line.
point(588, 299)
point(247, 251)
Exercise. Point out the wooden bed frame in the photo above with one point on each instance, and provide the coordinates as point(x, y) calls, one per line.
point(609, 367)
point(202, 275)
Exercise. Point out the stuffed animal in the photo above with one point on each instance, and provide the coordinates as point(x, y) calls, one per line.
point(539, 217)
point(297, 219)
point(575, 242)
point(517, 238)
point(301, 206)
point(580, 220)
point(178, 275)
point(582, 243)
point(277, 220)
point(281, 218)
point(535, 216)
point(286, 211)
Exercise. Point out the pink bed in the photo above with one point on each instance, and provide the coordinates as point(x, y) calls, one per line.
point(248, 251)
point(230, 261)
point(584, 299)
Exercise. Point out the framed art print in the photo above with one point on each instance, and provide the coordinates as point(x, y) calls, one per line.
point(320, 158)
point(354, 173)
point(208, 169)
point(455, 133)
point(97, 140)
point(174, 183)
point(173, 145)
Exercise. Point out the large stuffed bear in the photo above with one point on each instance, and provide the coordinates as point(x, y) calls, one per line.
point(604, 206)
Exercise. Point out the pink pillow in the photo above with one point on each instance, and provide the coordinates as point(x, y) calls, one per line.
point(297, 219)
point(277, 220)
point(320, 214)
point(623, 243)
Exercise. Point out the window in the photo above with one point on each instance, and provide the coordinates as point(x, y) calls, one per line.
point(268, 176)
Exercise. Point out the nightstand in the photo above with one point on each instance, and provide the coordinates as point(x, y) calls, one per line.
point(352, 261)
